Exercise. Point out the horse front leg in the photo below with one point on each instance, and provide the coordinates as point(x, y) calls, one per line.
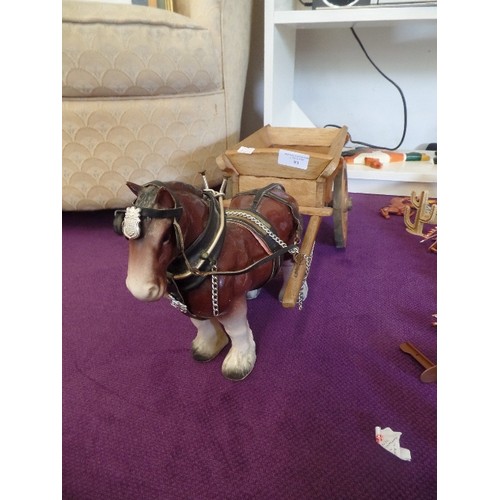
point(240, 359)
point(209, 341)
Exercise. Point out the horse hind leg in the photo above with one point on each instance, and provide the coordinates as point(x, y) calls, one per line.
point(240, 359)
point(209, 341)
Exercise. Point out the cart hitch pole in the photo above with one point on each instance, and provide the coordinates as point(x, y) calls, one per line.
point(296, 278)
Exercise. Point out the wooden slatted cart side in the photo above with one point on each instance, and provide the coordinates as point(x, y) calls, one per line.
point(311, 187)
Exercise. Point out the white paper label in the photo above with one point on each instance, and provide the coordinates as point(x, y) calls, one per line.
point(293, 159)
point(245, 150)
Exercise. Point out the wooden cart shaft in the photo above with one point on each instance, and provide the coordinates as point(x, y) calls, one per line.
point(296, 279)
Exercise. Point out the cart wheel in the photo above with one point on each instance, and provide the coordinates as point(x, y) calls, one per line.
point(342, 203)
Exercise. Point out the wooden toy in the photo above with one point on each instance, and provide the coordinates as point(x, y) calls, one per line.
point(308, 163)
point(425, 213)
point(430, 369)
point(207, 255)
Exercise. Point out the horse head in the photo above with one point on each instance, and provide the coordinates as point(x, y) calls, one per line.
point(153, 224)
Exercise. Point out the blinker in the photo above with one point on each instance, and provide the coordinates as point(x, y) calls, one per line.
point(131, 223)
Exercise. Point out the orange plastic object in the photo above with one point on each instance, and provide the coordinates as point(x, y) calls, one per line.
point(361, 155)
point(373, 162)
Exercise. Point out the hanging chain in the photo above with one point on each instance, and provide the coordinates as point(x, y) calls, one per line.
point(215, 292)
point(308, 259)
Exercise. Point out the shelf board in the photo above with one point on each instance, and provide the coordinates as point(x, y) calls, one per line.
point(396, 179)
point(414, 171)
point(369, 16)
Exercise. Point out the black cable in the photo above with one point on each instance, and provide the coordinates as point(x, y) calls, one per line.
point(305, 4)
point(405, 110)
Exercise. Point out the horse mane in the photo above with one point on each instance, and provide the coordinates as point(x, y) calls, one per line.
point(180, 186)
point(148, 194)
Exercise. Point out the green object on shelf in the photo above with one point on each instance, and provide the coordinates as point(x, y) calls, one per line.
point(415, 156)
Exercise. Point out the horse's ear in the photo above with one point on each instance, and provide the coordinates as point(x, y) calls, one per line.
point(135, 188)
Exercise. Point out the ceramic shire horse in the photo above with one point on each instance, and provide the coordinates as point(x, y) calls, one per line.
point(184, 245)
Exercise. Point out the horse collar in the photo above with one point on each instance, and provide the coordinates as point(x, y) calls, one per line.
point(202, 254)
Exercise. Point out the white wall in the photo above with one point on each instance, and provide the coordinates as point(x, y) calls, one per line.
point(335, 82)
point(253, 107)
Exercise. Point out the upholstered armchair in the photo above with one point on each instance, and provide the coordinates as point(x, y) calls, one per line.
point(148, 94)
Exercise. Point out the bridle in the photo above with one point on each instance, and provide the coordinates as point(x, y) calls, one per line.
point(128, 222)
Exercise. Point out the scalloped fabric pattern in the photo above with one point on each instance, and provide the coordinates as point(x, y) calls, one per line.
point(106, 143)
point(135, 51)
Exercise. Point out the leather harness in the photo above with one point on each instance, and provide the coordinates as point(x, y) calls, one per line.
point(195, 264)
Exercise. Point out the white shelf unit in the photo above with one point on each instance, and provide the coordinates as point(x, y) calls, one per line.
point(282, 19)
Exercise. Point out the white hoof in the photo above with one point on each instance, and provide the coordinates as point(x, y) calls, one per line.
point(238, 365)
point(205, 349)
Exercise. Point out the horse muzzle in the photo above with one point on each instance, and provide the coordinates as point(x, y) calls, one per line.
point(147, 292)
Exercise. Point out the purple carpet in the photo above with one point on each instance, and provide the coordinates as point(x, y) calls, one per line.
point(143, 420)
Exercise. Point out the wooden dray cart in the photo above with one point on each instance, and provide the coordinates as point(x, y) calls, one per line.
point(309, 165)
